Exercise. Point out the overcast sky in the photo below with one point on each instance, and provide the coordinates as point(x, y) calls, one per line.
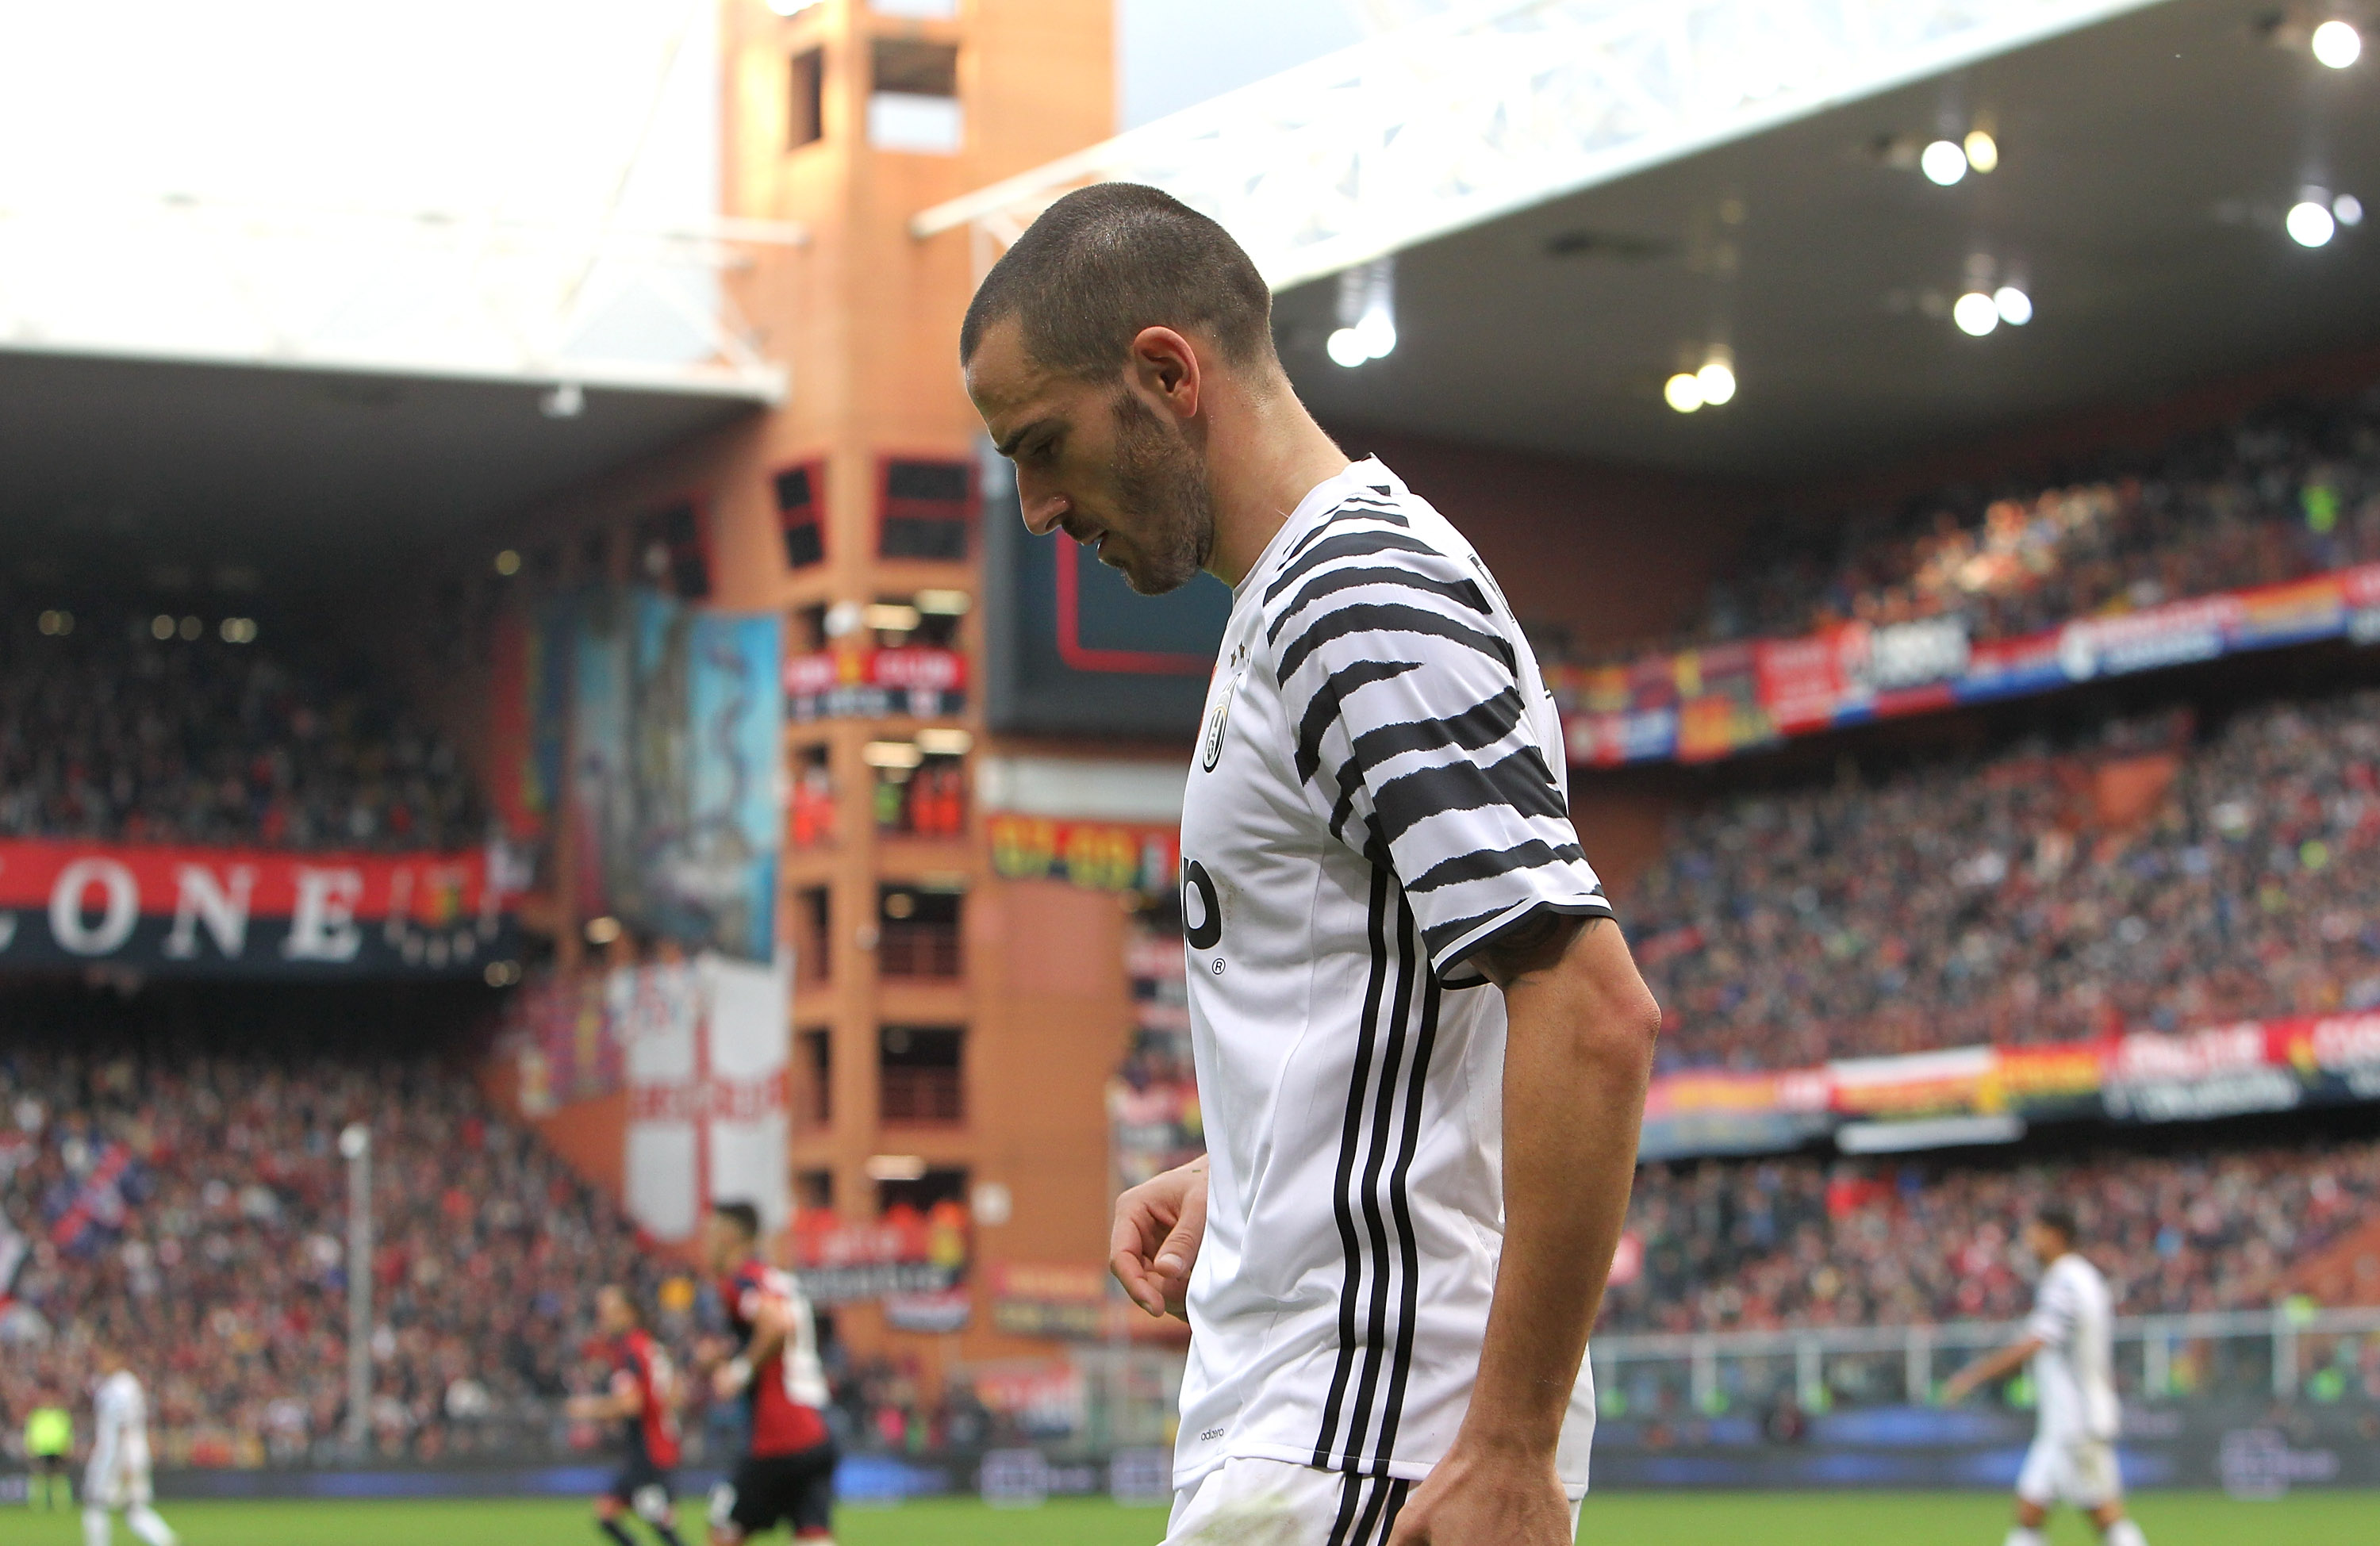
point(530, 106)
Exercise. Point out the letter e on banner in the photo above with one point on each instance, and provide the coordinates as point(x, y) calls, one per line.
point(200, 898)
point(114, 925)
point(322, 924)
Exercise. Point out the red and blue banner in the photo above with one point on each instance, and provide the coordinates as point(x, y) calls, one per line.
point(167, 910)
point(1715, 702)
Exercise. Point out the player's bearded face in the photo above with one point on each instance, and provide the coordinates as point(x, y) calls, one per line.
point(1166, 524)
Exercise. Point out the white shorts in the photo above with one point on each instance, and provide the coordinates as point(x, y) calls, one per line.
point(124, 1489)
point(1274, 1503)
point(2079, 1473)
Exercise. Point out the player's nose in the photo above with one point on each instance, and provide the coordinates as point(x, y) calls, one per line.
point(1044, 508)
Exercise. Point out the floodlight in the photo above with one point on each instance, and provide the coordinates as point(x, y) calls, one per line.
point(1683, 392)
point(1717, 382)
point(1346, 347)
point(1982, 151)
point(2014, 306)
point(508, 563)
point(1975, 313)
point(1378, 333)
point(2310, 224)
point(1942, 163)
point(2338, 43)
point(2348, 209)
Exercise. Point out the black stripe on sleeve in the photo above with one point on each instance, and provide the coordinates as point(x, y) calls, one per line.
point(1489, 862)
point(1460, 591)
point(1350, 1139)
point(1519, 781)
point(1390, 618)
point(1322, 709)
point(1483, 724)
point(1311, 555)
point(1351, 510)
point(1444, 937)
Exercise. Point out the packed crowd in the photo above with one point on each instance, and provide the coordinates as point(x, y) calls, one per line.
point(1793, 1243)
point(2149, 880)
point(193, 1212)
point(2292, 490)
point(109, 730)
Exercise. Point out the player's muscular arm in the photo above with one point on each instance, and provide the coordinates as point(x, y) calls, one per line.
point(1155, 1242)
point(1578, 1055)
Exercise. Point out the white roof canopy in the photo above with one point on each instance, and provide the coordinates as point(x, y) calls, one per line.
point(1470, 116)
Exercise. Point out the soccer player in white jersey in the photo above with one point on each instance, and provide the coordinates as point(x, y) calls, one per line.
point(117, 1480)
point(1421, 1046)
point(2070, 1341)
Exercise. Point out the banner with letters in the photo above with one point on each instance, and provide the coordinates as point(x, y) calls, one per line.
point(1720, 700)
point(168, 911)
point(2142, 1076)
point(703, 1049)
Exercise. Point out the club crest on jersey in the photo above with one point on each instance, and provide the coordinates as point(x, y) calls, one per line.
point(1210, 744)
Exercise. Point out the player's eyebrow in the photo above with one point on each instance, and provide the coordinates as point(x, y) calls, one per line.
point(1008, 447)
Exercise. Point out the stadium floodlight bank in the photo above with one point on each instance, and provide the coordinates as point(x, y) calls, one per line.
point(1484, 111)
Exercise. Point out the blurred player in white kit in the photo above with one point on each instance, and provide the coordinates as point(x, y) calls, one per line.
point(2070, 1343)
point(117, 1478)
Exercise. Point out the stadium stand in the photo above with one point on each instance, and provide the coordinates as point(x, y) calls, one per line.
point(1797, 1242)
point(188, 1204)
point(216, 733)
point(2143, 880)
point(2291, 491)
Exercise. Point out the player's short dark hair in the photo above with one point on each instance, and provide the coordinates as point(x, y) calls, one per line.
point(2059, 1218)
point(743, 1215)
point(1107, 261)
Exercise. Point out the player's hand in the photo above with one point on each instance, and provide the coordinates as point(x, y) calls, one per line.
point(1955, 1389)
point(1486, 1498)
point(1158, 1226)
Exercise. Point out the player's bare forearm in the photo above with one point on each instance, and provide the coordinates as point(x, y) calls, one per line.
point(1998, 1365)
point(1578, 1055)
point(1577, 1059)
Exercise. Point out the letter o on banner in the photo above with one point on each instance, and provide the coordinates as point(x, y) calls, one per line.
point(114, 927)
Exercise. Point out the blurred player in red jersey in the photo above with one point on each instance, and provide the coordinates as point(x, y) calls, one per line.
point(643, 1400)
point(787, 1471)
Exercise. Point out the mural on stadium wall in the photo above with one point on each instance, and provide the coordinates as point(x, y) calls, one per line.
point(674, 809)
point(169, 911)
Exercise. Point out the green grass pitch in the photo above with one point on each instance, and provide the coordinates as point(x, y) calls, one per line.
point(1626, 1518)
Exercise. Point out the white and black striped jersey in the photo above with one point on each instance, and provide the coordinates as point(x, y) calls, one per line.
point(1378, 790)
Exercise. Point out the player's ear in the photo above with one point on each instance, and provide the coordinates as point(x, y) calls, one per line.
point(1164, 365)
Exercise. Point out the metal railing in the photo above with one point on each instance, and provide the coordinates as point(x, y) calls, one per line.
point(2282, 1352)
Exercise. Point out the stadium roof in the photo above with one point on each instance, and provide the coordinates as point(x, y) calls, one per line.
point(131, 467)
point(2147, 155)
point(304, 392)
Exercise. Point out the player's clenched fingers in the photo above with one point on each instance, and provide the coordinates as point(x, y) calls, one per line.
point(1128, 1246)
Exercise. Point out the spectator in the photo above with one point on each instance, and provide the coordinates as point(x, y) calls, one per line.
point(110, 732)
point(1988, 899)
point(1790, 1242)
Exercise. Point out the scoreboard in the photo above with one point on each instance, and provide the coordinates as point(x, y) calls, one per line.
point(1070, 649)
